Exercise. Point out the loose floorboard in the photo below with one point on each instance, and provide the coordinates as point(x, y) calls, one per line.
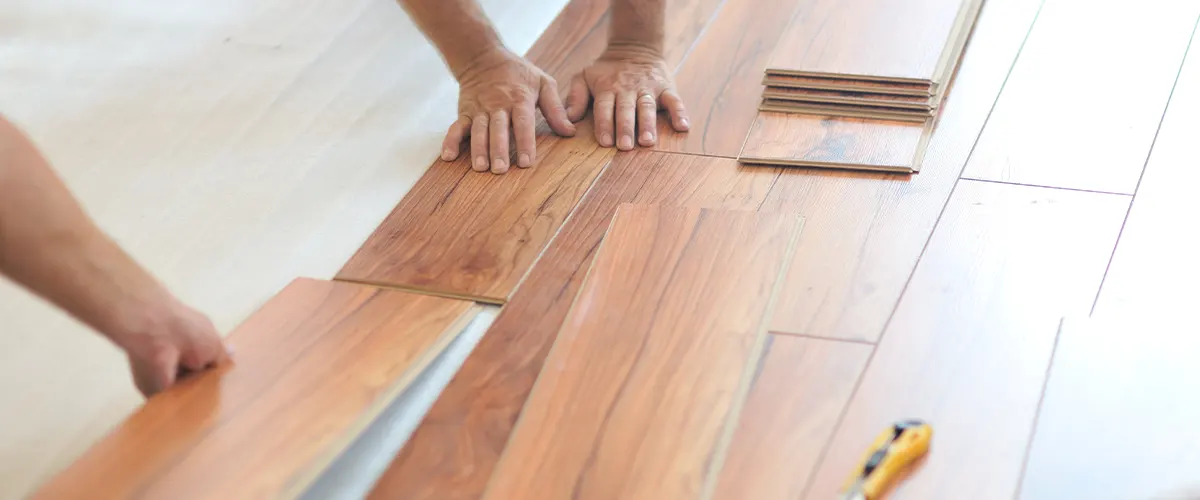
point(452, 455)
point(312, 368)
point(1155, 265)
point(1116, 420)
point(719, 80)
point(1081, 111)
point(832, 142)
point(645, 376)
point(844, 85)
point(846, 111)
point(796, 399)
point(970, 342)
point(864, 232)
point(879, 40)
point(859, 98)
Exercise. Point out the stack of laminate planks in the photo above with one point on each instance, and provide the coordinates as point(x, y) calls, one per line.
point(884, 59)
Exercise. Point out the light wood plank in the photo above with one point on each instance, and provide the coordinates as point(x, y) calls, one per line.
point(1058, 124)
point(796, 400)
point(1116, 421)
point(832, 142)
point(313, 367)
point(644, 377)
point(719, 80)
point(884, 40)
point(847, 85)
point(865, 232)
point(1155, 268)
point(453, 453)
point(971, 340)
point(845, 97)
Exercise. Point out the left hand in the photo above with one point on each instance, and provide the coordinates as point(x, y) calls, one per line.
point(630, 84)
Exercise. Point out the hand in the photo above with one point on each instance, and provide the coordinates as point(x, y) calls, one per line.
point(630, 85)
point(171, 343)
point(497, 92)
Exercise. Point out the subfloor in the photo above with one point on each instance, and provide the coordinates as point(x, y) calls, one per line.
point(232, 146)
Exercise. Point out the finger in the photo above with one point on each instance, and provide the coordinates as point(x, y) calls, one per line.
point(156, 374)
point(552, 109)
point(626, 115)
point(671, 101)
point(602, 114)
point(454, 137)
point(577, 98)
point(498, 142)
point(479, 143)
point(522, 124)
point(647, 119)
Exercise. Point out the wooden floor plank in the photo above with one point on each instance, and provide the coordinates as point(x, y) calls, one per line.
point(847, 85)
point(453, 453)
point(1060, 122)
point(971, 341)
point(1115, 421)
point(1155, 266)
point(876, 39)
point(645, 375)
point(795, 402)
point(864, 232)
point(832, 142)
point(313, 366)
point(719, 81)
point(845, 97)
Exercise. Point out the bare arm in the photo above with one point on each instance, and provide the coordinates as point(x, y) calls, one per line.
point(50, 246)
point(638, 24)
point(459, 29)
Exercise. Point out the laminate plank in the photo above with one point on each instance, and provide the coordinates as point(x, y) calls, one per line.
point(1115, 421)
point(832, 142)
point(454, 451)
point(844, 97)
point(1056, 123)
point(970, 342)
point(865, 232)
point(847, 85)
point(646, 372)
point(878, 40)
point(475, 236)
point(1155, 267)
point(795, 402)
point(719, 80)
point(838, 111)
point(313, 366)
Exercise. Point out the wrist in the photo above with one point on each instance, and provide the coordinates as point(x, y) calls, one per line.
point(633, 49)
point(479, 56)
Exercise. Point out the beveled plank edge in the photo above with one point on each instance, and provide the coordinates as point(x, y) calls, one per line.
point(768, 81)
point(913, 82)
point(434, 292)
point(844, 113)
point(778, 162)
point(304, 479)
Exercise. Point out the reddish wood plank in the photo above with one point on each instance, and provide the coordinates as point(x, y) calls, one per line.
point(453, 453)
point(1081, 111)
point(313, 366)
point(864, 232)
point(971, 340)
point(832, 142)
point(796, 401)
point(846, 97)
point(1115, 421)
point(644, 377)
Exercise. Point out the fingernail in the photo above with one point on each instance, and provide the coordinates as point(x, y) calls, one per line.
point(606, 140)
point(447, 155)
point(626, 142)
point(480, 163)
point(684, 123)
point(500, 164)
point(647, 137)
point(524, 161)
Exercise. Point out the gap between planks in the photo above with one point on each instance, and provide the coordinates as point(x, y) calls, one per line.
point(819, 337)
point(423, 291)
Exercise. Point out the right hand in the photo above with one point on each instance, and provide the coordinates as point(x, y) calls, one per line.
point(498, 92)
point(172, 343)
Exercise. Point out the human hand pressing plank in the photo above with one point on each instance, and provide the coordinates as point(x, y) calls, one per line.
point(630, 84)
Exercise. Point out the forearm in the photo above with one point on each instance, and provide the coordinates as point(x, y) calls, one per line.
point(638, 25)
point(50, 246)
point(459, 29)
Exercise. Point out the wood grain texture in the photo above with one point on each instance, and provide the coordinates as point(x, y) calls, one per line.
point(719, 81)
point(465, 234)
point(795, 402)
point(865, 232)
point(1155, 267)
point(313, 366)
point(832, 142)
point(645, 375)
point(970, 342)
point(884, 40)
point(452, 455)
point(1115, 421)
point(1057, 124)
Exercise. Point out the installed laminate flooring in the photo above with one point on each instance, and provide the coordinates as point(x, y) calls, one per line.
point(171, 124)
point(970, 342)
point(1081, 110)
point(313, 367)
point(643, 414)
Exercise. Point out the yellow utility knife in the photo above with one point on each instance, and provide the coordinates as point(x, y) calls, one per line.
point(895, 448)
